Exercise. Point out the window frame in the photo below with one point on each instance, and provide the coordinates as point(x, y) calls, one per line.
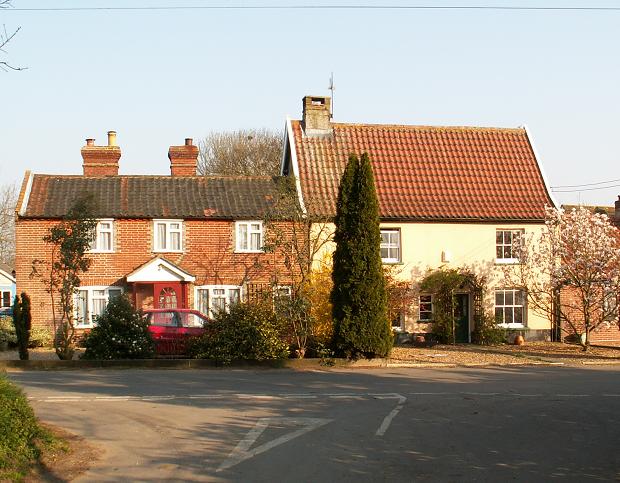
point(511, 325)
point(432, 310)
point(157, 248)
point(390, 246)
point(2, 295)
point(95, 247)
point(210, 312)
point(248, 224)
point(90, 289)
point(513, 231)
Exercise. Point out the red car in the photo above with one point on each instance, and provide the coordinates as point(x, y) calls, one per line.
point(171, 328)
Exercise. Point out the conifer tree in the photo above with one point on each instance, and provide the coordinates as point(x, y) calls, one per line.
point(361, 327)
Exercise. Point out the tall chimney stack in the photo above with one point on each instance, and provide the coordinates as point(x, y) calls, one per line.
point(101, 160)
point(183, 159)
point(316, 115)
point(617, 213)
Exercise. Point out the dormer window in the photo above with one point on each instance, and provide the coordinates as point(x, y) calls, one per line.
point(103, 240)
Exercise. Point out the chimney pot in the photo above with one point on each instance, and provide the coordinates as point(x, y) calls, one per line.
point(90, 142)
point(111, 138)
point(189, 141)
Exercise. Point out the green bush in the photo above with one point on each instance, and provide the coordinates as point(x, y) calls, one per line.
point(487, 332)
point(120, 333)
point(18, 432)
point(249, 331)
point(40, 337)
point(7, 330)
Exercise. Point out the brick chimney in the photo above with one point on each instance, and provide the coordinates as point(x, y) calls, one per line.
point(617, 214)
point(316, 115)
point(101, 160)
point(183, 159)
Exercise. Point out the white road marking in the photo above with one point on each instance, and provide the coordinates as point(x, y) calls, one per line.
point(388, 419)
point(242, 451)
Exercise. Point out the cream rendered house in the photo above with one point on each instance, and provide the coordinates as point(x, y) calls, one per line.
point(450, 197)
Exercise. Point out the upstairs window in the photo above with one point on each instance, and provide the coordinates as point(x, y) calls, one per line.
point(390, 246)
point(506, 245)
point(168, 235)
point(249, 236)
point(103, 240)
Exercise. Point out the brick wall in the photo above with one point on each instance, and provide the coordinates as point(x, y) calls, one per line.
point(605, 334)
point(208, 255)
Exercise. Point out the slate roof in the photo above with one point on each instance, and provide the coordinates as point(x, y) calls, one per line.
point(427, 173)
point(155, 196)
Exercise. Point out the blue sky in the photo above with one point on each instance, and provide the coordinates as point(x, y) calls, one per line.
point(159, 76)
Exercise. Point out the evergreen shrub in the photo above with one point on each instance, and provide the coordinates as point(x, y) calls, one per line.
point(487, 332)
point(7, 330)
point(121, 333)
point(359, 301)
point(250, 331)
point(18, 432)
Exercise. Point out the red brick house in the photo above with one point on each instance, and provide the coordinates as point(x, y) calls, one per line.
point(609, 332)
point(169, 241)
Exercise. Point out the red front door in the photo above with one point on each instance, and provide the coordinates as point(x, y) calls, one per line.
point(168, 295)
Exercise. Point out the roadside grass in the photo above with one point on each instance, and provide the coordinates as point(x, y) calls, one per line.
point(22, 439)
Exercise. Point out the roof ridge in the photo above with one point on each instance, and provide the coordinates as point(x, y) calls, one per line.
point(154, 176)
point(423, 127)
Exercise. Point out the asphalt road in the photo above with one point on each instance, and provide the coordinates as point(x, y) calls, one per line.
point(499, 424)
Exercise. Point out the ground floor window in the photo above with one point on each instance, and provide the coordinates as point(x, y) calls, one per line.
point(89, 302)
point(510, 308)
point(426, 308)
point(5, 302)
point(212, 299)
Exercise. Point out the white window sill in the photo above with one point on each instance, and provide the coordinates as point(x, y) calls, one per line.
point(390, 261)
point(167, 251)
point(100, 251)
point(249, 251)
point(506, 261)
point(512, 326)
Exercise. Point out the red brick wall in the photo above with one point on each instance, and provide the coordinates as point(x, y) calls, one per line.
point(208, 255)
point(605, 334)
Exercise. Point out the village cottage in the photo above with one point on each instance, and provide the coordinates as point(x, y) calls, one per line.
point(182, 240)
point(449, 197)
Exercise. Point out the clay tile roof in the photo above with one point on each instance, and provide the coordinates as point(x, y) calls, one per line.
point(427, 173)
point(155, 196)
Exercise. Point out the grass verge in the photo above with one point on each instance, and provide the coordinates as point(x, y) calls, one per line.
point(22, 439)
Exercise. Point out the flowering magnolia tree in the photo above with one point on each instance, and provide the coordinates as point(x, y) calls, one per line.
point(577, 255)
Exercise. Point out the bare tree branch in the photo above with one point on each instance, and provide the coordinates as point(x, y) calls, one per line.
point(247, 152)
point(8, 198)
point(5, 38)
